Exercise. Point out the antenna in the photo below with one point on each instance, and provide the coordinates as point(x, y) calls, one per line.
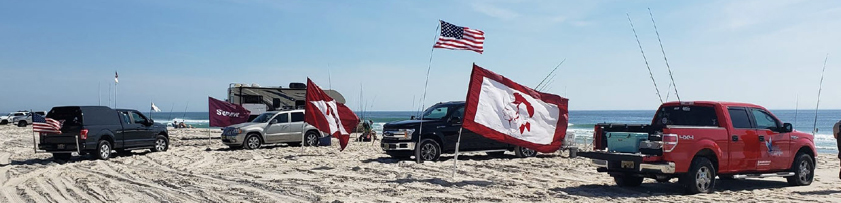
point(664, 58)
point(329, 80)
point(645, 59)
point(550, 73)
point(818, 104)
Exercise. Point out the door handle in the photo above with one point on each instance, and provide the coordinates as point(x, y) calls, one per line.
point(735, 138)
point(762, 138)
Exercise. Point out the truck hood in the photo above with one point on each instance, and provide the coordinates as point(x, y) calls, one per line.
point(407, 124)
point(4, 117)
point(247, 124)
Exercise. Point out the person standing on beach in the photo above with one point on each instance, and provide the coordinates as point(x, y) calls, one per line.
point(836, 131)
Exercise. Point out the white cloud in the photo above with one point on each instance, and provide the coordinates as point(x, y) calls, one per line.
point(494, 11)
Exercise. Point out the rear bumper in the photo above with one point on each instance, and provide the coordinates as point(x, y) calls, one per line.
point(63, 145)
point(628, 163)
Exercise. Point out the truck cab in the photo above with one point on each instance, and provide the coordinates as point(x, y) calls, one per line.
point(697, 141)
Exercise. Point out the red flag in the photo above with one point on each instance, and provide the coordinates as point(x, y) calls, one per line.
point(327, 115)
point(505, 111)
point(223, 114)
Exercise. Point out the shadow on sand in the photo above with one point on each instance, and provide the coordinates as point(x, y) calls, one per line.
point(472, 157)
point(73, 159)
point(442, 182)
point(666, 189)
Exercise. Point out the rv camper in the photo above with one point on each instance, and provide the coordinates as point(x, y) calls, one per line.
point(259, 99)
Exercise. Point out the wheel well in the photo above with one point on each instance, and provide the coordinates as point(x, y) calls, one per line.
point(709, 154)
point(316, 131)
point(258, 136)
point(806, 150)
point(107, 137)
point(433, 137)
point(165, 134)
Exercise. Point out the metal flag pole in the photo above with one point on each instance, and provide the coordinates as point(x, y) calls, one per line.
point(99, 92)
point(303, 135)
point(418, 159)
point(455, 162)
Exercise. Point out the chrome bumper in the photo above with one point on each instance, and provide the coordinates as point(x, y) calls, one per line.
point(398, 146)
point(667, 168)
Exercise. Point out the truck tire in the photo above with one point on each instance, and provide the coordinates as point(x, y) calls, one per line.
point(62, 156)
point(103, 150)
point(252, 141)
point(628, 181)
point(311, 138)
point(21, 123)
point(523, 152)
point(161, 144)
point(430, 150)
point(700, 178)
point(804, 170)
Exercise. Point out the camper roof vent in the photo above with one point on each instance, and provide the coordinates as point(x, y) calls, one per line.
point(297, 85)
point(254, 85)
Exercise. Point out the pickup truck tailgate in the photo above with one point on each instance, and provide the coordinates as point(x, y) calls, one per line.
point(626, 162)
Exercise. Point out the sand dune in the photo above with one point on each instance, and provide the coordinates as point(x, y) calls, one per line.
point(362, 173)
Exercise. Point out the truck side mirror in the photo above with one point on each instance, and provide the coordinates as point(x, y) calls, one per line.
point(787, 128)
point(150, 122)
point(455, 120)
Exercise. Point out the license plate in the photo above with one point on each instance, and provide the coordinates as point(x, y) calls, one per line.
point(60, 146)
point(628, 164)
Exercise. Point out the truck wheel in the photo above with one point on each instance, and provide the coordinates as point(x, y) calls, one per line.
point(62, 156)
point(573, 152)
point(523, 152)
point(252, 141)
point(103, 150)
point(804, 170)
point(161, 144)
point(4, 122)
point(21, 123)
point(700, 178)
point(628, 181)
point(430, 150)
point(311, 138)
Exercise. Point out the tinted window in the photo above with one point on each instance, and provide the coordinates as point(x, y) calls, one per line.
point(764, 120)
point(125, 118)
point(298, 117)
point(70, 116)
point(435, 112)
point(263, 118)
point(459, 113)
point(739, 118)
point(19, 114)
point(282, 118)
point(686, 115)
point(138, 119)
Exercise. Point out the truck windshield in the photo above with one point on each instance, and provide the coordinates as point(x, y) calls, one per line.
point(435, 112)
point(263, 118)
point(686, 115)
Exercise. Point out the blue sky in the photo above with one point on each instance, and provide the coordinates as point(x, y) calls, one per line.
point(177, 52)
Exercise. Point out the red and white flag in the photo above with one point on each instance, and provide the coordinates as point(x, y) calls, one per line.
point(460, 38)
point(505, 111)
point(327, 115)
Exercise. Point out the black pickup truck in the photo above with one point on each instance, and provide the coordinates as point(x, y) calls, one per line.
point(98, 130)
point(441, 124)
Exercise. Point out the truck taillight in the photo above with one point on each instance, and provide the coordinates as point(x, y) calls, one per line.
point(669, 142)
point(83, 134)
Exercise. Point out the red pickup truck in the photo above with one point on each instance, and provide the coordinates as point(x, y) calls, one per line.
point(697, 141)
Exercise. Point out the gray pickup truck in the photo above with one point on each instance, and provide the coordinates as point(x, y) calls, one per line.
point(271, 128)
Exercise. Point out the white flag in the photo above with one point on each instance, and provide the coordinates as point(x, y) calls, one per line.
point(155, 108)
point(115, 77)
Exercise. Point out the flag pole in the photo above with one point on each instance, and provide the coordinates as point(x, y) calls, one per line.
point(303, 137)
point(99, 92)
point(455, 162)
point(418, 159)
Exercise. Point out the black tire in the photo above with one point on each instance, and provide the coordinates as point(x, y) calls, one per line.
point(804, 170)
point(4, 122)
point(103, 150)
point(311, 138)
point(21, 123)
point(62, 156)
point(161, 144)
point(573, 152)
point(628, 181)
point(430, 150)
point(252, 141)
point(523, 152)
point(495, 154)
point(700, 178)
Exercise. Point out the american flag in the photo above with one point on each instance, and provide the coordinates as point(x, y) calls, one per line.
point(460, 38)
point(45, 125)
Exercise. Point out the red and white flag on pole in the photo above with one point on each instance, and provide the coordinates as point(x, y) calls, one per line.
point(327, 115)
point(505, 111)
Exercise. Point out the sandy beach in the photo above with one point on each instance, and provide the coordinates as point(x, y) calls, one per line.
point(362, 173)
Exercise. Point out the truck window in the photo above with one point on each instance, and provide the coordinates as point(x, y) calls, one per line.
point(297, 117)
point(282, 118)
point(764, 120)
point(138, 119)
point(69, 116)
point(125, 117)
point(263, 118)
point(739, 118)
point(436, 113)
point(687, 115)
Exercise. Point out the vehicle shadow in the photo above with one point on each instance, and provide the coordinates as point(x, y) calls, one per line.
point(667, 189)
point(819, 192)
point(442, 182)
point(476, 157)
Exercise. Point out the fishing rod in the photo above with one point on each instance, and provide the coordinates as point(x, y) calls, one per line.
point(550, 73)
point(664, 58)
point(644, 58)
point(170, 111)
point(185, 112)
point(796, 103)
point(817, 105)
point(329, 79)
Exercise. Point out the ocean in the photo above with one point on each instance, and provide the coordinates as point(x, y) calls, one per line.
point(581, 122)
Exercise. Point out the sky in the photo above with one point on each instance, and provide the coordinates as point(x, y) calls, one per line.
point(177, 53)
